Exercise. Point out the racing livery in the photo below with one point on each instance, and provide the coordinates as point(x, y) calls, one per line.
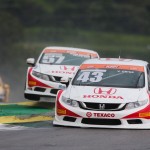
point(106, 93)
point(53, 70)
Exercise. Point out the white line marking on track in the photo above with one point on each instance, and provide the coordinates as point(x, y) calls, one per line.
point(4, 127)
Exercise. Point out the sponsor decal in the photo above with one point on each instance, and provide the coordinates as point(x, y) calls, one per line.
point(146, 114)
point(103, 93)
point(100, 115)
point(112, 67)
point(103, 96)
point(67, 68)
point(110, 91)
point(74, 52)
point(103, 115)
point(61, 111)
point(62, 72)
point(89, 114)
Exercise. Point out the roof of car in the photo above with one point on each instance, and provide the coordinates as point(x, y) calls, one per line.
point(69, 48)
point(118, 61)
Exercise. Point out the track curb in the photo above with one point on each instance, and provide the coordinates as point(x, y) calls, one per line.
point(24, 118)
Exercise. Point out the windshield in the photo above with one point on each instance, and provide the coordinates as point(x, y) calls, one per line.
point(63, 59)
point(110, 78)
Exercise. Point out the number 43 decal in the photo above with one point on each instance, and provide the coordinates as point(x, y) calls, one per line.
point(95, 76)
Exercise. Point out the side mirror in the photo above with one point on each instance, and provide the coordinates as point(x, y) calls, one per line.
point(31, 61)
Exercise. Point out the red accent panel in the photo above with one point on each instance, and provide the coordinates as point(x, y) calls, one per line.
point(60, 107)
point(38, 83)
point(136, 115)
point(59, 94)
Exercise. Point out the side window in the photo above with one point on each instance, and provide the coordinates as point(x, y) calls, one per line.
point(148, 75)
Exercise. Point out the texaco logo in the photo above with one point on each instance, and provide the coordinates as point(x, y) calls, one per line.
point(89, 114)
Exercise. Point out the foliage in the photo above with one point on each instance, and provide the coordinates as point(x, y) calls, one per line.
point(10, 32)
point(131, 16)
point(105, 43)
point(72, 22)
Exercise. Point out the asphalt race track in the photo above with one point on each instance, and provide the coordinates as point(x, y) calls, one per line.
point(41, 135)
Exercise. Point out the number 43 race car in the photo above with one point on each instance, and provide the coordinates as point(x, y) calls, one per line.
point(54, 66)
point(106, 93)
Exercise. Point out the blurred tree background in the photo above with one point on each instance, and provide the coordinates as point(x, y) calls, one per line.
point(111, 27)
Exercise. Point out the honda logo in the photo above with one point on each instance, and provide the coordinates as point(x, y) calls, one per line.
point(110, 91)
point(67, 68)
point(101, 106)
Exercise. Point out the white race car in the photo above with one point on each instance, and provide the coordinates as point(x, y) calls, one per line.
point(106, 93)
point(54, 66)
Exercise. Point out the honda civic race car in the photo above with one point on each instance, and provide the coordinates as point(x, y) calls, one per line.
point(106, 93)
point(54, 66)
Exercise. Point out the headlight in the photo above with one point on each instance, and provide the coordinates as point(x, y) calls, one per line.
point(70, 102)
point(41, 76)
point(136, 104)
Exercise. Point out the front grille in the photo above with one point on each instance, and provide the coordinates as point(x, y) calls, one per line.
point(93, 121)
point(100, 106)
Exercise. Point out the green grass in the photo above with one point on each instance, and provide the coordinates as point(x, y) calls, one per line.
point(16, 110)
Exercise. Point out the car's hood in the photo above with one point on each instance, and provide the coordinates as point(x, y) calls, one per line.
point(57, 70)
point(106, 94)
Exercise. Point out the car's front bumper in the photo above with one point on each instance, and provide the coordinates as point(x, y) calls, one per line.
point(42, 91)
point(138, 118)
point(124, 123)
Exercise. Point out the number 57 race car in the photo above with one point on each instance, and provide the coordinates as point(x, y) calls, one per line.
point(106, 93)
point(54, 66)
